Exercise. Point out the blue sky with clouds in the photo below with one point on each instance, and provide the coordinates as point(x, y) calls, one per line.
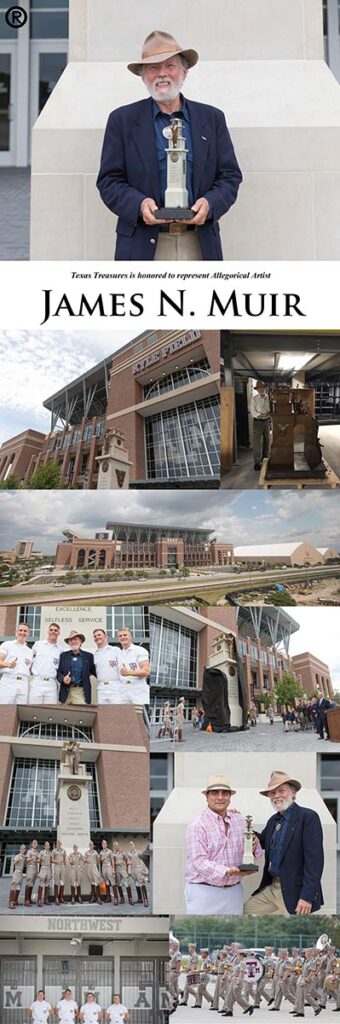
point(37, 363)
point(240, 517)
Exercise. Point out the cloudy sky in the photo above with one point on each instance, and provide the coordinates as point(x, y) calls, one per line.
point(239, 517)
point(319, 633)
point(36, 364)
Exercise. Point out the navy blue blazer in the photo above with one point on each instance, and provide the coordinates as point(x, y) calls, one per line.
point(129, 172)
point(65, 666)
point(302, 858)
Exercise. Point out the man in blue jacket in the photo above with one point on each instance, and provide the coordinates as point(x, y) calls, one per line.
point(74, 671)
point(133, 170)
point(293, 843)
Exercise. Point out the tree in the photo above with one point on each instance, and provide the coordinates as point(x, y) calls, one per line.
point(11, 484)
point(185, 571)
point(46, 477)
point(288, 689)
point(280, 597)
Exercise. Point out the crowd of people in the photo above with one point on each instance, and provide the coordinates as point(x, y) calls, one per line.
point(234, 976)
point(109, 873)
point(68, 1011)
point(47, 673)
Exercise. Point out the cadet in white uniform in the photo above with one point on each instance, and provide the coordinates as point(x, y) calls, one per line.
point(106, 660)
point(19, 864)
point(134, 669)
point(117, 1013)
point(40, 1010)
point(43, 687)
point(90, 1011)
point(67, 1008)
point(15, 666)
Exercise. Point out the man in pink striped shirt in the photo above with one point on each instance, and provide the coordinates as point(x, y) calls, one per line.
point(215, 844)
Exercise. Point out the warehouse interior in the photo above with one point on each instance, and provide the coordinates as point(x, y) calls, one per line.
point(290, 360)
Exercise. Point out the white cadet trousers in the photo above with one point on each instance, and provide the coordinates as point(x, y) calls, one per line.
point(13, 689)
point(134, 693)
point(109, 693)
point(42, 690)
point(213, 899)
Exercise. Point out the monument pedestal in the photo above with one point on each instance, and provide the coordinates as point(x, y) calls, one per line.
point(114, 464)
point(222, 658)
point(73, 808)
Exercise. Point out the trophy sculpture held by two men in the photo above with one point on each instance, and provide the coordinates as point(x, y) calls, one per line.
point(248, 863)
point(176, 194)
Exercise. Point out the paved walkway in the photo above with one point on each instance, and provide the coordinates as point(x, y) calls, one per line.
point(186, 1015)
point(14, 213)
point(261, 737)
point(67, 909)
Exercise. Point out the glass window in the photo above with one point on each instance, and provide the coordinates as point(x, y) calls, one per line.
point(330, 773)
point(55, 731)
point(178, 379)
point(6, 32)
point(51, 66)
point(32, 615)
point(32, 794)
point(135, 618)
point(49, 25)
point(173, 654)
point(88, 432)
point(184, 442)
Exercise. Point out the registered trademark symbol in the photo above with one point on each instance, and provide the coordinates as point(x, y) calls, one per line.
point(16, 17)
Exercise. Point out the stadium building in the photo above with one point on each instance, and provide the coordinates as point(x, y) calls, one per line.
point(153, 405)
point(142, 546)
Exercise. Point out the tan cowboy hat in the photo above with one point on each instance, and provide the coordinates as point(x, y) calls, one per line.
point(73, 633)
point(218, 782)
point(278, 779)
point(159, 46)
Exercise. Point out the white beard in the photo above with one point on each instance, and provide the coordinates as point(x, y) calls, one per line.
point(171, 93)
point(283, 805)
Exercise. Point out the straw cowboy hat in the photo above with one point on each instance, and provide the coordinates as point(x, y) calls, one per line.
point(159, 46)
point(73, 633)
point(218, 782)
point(278, 779)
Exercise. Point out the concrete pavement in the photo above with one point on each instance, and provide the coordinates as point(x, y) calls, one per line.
point(261, 737)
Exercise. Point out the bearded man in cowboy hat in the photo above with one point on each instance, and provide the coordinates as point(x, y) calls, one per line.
point(133, 171)
point(74, 671)
point(294, 860)
point(214, 849)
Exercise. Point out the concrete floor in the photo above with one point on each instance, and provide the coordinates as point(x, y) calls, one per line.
point(14, 213)
point(66, 909)
point(243, 476)
point(262, 737)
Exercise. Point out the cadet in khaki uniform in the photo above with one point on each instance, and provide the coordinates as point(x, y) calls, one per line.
point(175, 965)
point(204, 977)
point(59, 862)
point(192, 978)
point(16, 883)
point(165, 728)
point(91, 858)
point(305, 988)
point(122, 873)
point(220, 968)
point(179, 716)
point(32, 866)
point(108, 872)
point(75, 863)
point(268, 973)
point(237, 992)
point(44, 875)
point(139, 873)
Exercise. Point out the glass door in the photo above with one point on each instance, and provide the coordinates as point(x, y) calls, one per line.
point(7, 103)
